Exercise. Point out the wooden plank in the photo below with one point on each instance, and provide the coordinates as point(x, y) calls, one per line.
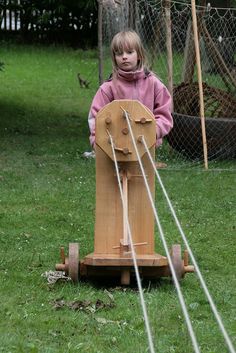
point(116, 260)
point(108, 217)
point(111, 118)
point(109, 223)
point(140, 212)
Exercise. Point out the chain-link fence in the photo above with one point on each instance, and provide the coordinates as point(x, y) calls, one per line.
point(166, 30)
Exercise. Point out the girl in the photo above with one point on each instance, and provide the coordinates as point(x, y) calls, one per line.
point(132, 80)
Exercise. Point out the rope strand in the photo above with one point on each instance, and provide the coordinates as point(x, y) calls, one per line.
point(181, 299)
point(143, 305)
point(172, 269)
point(197, 270)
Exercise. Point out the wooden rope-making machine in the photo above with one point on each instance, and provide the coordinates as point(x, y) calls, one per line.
point(125, 213)
point(124, 218)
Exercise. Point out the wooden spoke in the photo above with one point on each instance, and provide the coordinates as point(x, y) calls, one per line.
point(177, 260)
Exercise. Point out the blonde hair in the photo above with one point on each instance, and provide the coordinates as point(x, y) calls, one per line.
point(128, 40)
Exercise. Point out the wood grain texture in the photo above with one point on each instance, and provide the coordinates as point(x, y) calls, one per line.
point(109, 223)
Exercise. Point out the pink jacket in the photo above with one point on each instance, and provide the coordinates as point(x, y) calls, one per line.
point(142, 86)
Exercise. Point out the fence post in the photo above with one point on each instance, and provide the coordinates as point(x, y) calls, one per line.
point(199, 75)
point(100, 43)
point(169, 48)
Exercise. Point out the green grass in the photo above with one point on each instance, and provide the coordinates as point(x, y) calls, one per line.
point(47, 199)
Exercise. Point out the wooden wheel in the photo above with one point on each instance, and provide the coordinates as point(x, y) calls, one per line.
point(73, 262)
point(177, 260)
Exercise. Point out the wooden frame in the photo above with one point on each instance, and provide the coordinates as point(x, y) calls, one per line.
point(112, 254)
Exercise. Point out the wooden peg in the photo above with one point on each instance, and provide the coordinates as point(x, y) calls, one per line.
point(124, 150)
point(140, 138)
point(143, 120)
point(108, 120)
point(125, 131)
point(185, 257)
point(139, 244)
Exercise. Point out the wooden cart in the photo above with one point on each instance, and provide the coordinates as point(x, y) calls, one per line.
point(112, 255)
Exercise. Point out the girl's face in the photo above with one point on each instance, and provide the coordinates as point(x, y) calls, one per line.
point(127, 60)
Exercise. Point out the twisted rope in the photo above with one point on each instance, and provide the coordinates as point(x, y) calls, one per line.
point(176, 283)
point(197, 270)
point(142, 301)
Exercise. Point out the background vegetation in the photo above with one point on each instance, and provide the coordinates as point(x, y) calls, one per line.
point(47, 199)
point(50, 21)
point(61, 21)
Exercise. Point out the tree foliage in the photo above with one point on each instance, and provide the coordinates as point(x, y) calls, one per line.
point(70, 21)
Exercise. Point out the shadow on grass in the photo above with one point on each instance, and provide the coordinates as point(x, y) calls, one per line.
point(113, 284)
point(18, 118)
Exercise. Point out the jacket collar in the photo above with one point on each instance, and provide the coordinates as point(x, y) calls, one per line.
point(131, 75)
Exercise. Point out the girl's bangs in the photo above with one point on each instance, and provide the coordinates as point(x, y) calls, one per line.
point(124, 43)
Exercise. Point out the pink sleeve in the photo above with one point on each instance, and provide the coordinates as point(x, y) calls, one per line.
point(100, 99)
point(162, 112)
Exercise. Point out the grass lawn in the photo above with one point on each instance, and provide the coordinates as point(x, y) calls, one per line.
point(47, 199)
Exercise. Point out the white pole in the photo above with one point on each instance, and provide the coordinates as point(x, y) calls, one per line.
point(100, 51)
point(169, 48)
point(199, 75)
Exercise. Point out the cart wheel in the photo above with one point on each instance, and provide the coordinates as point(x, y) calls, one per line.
point(73, 262)
point(177, 260)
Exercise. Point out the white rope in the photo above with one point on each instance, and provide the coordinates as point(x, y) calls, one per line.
point(181, 299)
point(211, 302)
point(143, 305)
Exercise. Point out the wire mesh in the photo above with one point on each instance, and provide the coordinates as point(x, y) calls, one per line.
point(217, 39)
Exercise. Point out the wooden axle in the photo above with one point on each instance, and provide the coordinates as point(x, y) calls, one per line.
point(121, 266)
